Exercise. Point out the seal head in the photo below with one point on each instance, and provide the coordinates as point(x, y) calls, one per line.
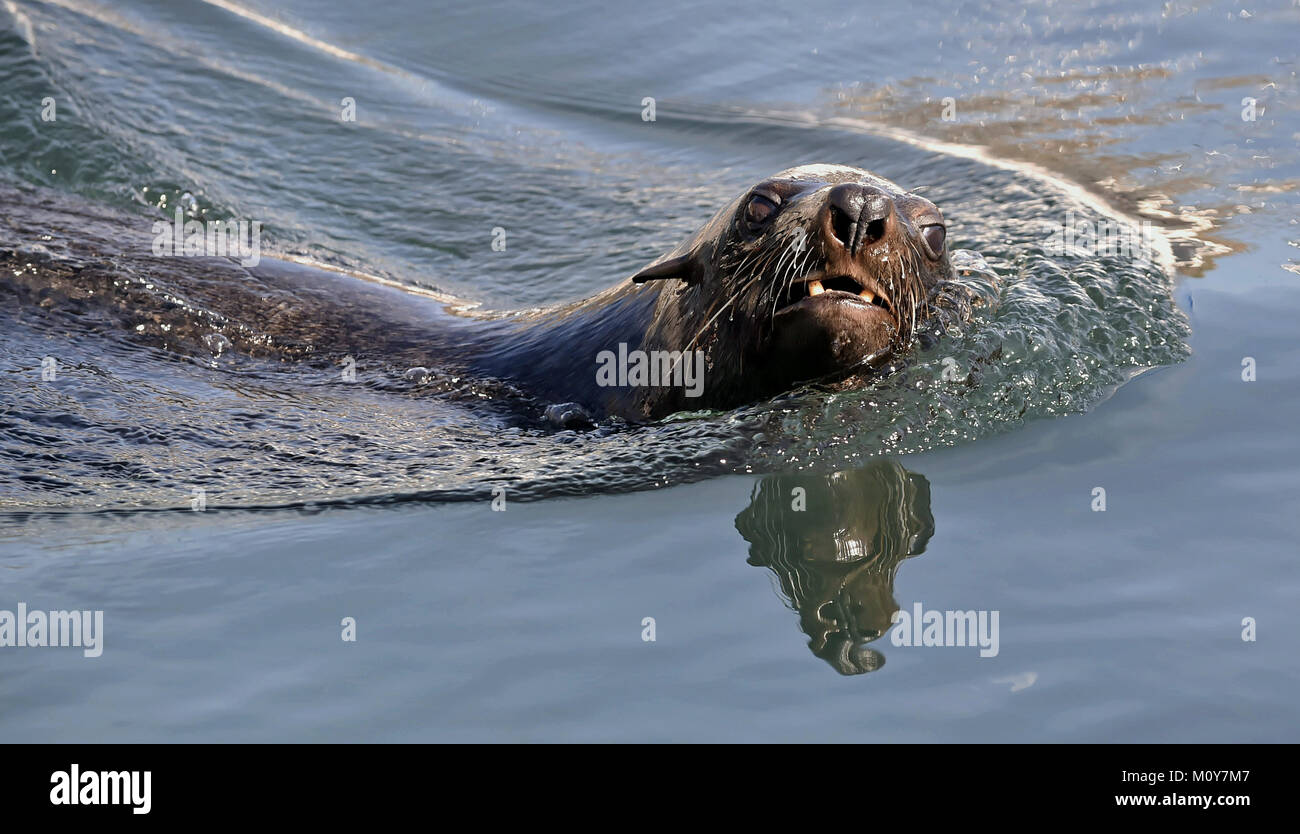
point(819, 273)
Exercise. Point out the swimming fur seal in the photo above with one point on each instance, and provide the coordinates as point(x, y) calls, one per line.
point(819, 273)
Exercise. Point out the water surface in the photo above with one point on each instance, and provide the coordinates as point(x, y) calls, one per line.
point(326, 502)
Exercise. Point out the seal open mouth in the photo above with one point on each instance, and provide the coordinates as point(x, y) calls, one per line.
point(839, 288)
point(827, 323)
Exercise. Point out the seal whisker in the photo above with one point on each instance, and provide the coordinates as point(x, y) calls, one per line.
point(690, 345)
point(788, 250)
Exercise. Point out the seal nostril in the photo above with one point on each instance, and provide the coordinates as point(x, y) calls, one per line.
point(874, 231)
point(843, 226)
point(859, 215)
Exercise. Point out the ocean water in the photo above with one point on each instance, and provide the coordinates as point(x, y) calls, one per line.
point(769, 546)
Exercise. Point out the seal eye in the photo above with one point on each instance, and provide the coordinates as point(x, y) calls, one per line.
point(760, 210)
point(934, 238)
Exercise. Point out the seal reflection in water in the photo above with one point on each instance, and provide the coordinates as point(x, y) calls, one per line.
point(835, 559)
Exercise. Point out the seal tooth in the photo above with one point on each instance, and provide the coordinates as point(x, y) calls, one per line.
point(815, 288)
point(868, 295)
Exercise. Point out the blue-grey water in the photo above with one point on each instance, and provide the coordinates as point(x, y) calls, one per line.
point(1169, 381)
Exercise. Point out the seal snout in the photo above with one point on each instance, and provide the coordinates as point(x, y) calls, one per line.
point(857, 215)
point(855, 306)
point(853, 217)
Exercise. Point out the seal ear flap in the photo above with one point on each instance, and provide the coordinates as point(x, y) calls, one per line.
point(682, 267)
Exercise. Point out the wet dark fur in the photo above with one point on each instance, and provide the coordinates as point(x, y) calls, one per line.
point(717, 292)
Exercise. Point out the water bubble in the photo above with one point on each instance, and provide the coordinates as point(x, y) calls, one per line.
point(568, 416)
point(418, 375)
point(968, 260)
point(217, 343)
